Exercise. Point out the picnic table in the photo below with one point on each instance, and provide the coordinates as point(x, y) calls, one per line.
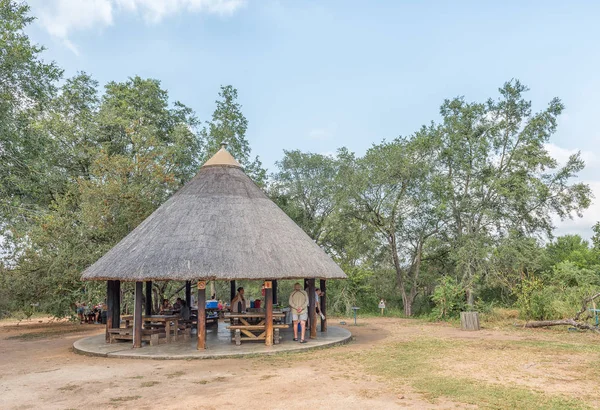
point(159, 322)
point(252, 326)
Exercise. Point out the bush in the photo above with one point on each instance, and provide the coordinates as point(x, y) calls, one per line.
point(448, 298)
point(559, 296)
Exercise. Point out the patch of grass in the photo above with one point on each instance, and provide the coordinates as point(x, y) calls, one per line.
point(175, 374)
point(220, 379)
point(124, 399)
point(415, 363)
point(136, 377)
point(149, 383)
point(266, 377)
point(202, 382)
point(560, 346)
point(69, 387)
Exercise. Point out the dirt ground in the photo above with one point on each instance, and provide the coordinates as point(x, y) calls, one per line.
point(39, 369)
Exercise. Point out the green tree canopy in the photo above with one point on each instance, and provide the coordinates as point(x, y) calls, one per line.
point(228, 125)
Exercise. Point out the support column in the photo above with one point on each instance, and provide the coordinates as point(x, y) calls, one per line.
point(148, 305)
point(232, 292)
point(268, 313)
point(137, 316)
point(201, 315)
point(305, 284)
point(113, 306)
point(323, 305)
point(116, 314)
point(312, 309)
point(109, 308)
point(275, 300)
point(188, 293)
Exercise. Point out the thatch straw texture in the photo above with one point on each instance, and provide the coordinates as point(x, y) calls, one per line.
point(220, 225)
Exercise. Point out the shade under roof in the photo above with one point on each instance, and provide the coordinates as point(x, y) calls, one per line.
point(220, 225)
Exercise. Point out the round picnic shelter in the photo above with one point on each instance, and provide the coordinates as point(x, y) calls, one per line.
point(220, 226)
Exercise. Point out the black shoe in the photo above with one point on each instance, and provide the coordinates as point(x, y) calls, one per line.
point(295, 339)
point(302, 341)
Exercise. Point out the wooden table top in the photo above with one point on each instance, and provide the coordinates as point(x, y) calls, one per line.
point(158, 318)
point(252, 314)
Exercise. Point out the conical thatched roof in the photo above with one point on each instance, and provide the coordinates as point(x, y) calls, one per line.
point(220, 225)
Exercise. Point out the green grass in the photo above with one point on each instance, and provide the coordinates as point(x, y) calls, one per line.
point(415, 363)
point(149, 383)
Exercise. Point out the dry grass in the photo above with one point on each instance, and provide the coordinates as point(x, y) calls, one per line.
point(435, 369)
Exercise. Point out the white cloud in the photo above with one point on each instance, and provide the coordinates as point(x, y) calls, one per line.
point(562, 155)
point(155, 10)
point(583, 225)
point(62, 17)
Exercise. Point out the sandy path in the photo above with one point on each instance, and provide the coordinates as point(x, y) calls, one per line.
point(44, 372)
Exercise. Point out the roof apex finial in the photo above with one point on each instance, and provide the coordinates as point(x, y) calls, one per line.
point(224, 145)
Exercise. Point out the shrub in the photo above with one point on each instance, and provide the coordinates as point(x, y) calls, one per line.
point(448, 298)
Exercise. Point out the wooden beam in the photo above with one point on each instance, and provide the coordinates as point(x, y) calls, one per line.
point(201, 315)
point(312, 308)
point(323, 305)
point(233, 291)
point(188, 293)
point(268, 313)
point(137, 316)
point(275, 300)
point(148, 305)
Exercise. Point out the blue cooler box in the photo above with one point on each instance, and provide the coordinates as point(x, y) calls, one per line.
point(212, 304)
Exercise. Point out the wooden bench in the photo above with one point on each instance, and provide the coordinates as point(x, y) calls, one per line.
point(254, 332)
point(126, 333)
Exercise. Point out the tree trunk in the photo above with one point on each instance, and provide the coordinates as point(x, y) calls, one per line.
point(470, 298)
point(561, 322)
point(406, 303)
point(575, 322)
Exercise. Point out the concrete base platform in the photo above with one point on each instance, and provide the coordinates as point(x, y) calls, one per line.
point(218, 342)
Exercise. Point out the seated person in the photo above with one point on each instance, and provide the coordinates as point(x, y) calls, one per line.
point(184, 311)
point(238, 303)
point(165, 305)
point(177, 305)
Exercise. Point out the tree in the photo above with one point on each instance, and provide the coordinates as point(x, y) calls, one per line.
point(306, 187)
point(27, 84)
point(386, 190)
point(497, 176)
point(228, 125)
point(122, 159)
point(596, 236)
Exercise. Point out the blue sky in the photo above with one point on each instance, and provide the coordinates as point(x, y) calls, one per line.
point(318, 75)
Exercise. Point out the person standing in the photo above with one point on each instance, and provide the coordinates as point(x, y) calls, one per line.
point(299, 307)
point(238, 303)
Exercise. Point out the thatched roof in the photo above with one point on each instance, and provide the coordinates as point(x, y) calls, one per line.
point(220, 225)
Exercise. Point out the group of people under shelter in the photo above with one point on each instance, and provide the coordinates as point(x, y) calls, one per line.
point(299, 303)
point(90, 313)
